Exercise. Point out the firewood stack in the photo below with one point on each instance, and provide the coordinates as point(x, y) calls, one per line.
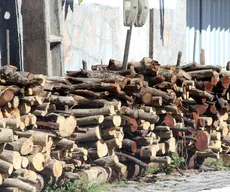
point(108, 121)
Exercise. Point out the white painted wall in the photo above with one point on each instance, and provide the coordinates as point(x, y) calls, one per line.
point(95, 32)
point(169, 4)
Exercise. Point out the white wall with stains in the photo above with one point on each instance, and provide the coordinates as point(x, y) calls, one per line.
point(94, 31)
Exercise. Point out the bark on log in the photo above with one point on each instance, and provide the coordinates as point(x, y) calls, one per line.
point(12, 157)
point(107, 110)
point(90, 120)
point(13, 182)
point(22, 145)
point(6, 135)
point(37, 162)
point(6, 167)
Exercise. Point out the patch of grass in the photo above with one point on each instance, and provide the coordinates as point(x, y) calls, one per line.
point(152, 170)
point(77, 186)
point(176, 162)
point(219, 164)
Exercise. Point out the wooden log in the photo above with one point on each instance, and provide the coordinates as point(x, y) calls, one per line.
point(135, 113)
point(107, 110)
point(23, 186)
point(62, 100)
point(96, 175)
point(114, 143)
point(53, 168)
point(90, 120)
point(111, 121)
point(208, 153)
point(37, 162)
point(147, 151)
point(120, 168)
point(22, 145)
point(64, 143)
point(12, 157)
point(162, 160)
point(200, 93)
point(107, 161)
point(172, 109)
point(202, 140)
point(6, 96)
point(91, 134)
point(129, 124)
point(25, 162)
point(144, 126)
point(10, 189)
point(133, 159)
point(66, 129)
point(91, 94)
point(167, 74)
point(197, 67)
point(155, 92)
point(129, 145)
point(6, 167)
point(171, 145)
point(6, 135)
point(101, 149)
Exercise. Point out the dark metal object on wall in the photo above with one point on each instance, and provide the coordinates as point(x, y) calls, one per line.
point(68, 4)
point(10, 24)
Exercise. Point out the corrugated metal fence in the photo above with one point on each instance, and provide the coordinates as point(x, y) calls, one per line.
point(208, 28)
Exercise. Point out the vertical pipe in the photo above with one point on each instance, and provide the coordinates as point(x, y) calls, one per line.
point(201, 7)
point(127, 47)
point(151, 34)
point(8, 45)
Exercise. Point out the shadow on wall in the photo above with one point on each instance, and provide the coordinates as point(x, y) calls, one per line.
point(215, 14)
point(66, 4)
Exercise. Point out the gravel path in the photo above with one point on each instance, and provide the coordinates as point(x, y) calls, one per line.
point(205, 181)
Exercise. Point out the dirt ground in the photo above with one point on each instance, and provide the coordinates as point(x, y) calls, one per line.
point(190, 182)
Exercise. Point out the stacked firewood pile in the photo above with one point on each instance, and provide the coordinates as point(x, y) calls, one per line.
point(108, 121)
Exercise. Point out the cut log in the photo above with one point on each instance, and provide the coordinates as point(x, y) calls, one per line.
point(6, 167)
point(22, 145)
point(96, 102)
point(107, 110)
point(53, 168)
point(6, 135)
point(62, 100)
point(162, 160)
point(25, 162)
point(129, 145)
point(133, 159)
point(63, 143)
point(10, 189)
point(107, 161)
point(90, 134)
point(6, 96)
point(91, 94)
point(208, 153)
point(202, 140)
point(90, 120)
point(37, 162)
point(101, 149)
point(111, 121)
point(129, 124)
point(120, 168)
point(12, 157)
point(23, 186)
point(135, 113)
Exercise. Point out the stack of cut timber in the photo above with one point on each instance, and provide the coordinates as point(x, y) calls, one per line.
point(109, 121)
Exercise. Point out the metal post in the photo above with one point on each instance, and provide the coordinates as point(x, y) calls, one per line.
point(8, 45)
point(127, 47)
